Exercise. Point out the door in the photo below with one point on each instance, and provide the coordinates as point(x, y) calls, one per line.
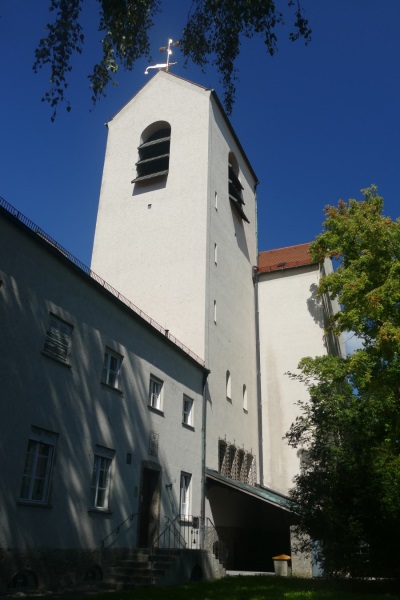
point(149, 507)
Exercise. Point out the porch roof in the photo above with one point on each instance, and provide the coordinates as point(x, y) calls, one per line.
point(260, 492)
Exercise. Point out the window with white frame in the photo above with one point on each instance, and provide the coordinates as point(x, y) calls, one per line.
point(111, 368)
point(38, 466)
point(155, 393)
point(58, 339)
point(101, 478)
point(185, 499)
point(215, 311)
point(215, 253)
point(187, 412)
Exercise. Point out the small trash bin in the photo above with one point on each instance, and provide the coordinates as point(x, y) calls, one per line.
point(281, 564)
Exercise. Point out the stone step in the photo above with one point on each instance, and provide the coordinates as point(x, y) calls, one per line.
point(150, 564)
point(138, 555)
point(139, 568)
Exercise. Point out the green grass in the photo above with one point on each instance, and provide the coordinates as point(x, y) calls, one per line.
point(264, 588)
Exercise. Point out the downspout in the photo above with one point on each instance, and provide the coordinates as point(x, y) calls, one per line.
point(258, 358)
point(203, 462)
point(207, 343)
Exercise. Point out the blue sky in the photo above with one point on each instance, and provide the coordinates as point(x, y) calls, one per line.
point(318, 123)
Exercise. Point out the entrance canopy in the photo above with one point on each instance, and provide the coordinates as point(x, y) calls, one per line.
point(258, 492)
point(252, 522)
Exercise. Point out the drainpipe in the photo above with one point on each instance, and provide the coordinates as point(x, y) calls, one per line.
point(203, 461)
point(258, 359)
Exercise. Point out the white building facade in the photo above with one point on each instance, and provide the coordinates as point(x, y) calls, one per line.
point(168, 423)
point(291, 324)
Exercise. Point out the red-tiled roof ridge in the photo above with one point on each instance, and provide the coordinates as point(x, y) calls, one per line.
point(285, 258)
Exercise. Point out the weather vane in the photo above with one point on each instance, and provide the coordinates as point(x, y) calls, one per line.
point(166, 65)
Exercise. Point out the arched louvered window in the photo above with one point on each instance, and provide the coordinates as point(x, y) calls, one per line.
point(154, 152)
point(235, 188)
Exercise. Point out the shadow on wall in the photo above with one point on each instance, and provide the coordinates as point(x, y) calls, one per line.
point(314, 306)
point(240, 233)
point(70, 401)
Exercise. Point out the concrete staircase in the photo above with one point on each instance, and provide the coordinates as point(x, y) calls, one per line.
point(140, 568)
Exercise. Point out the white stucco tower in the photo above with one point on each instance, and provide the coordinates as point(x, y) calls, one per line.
point(176, 234)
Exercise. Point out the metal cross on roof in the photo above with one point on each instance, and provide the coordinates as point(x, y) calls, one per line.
point(166, 65)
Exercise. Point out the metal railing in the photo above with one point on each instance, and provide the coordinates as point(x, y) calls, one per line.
point(213, 543)
point(42, 234)
point(183, 532)
point(117, 529)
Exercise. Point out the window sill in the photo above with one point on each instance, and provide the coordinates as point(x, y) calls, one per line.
point(21, 502)
point(157, 411)
point(58, 360)
point(187, 426)
point(100, 511)
point(111, 387)
point(189, 522)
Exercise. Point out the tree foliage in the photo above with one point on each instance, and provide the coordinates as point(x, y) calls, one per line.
point(348, 493)
point(213, 33)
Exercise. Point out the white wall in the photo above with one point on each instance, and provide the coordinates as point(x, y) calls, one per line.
point(231, 342)
point(150, 239)
point(72, 402)
point(291, 327)
point(162, 257)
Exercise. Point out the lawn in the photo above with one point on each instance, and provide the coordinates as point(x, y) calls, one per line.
point(265, 588)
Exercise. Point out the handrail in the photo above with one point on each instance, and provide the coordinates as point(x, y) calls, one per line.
point(213, 543)
point(180, 533)
point(177, 533)
point(183, 533)
point(117, 529)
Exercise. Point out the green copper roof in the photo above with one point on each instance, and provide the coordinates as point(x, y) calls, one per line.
point(260, 492)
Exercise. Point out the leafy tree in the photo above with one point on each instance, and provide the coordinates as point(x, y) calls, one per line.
point(347, 496)
point(213, 32)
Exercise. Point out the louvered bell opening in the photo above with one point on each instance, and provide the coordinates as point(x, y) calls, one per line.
point(235, 193)
point(235, 187)
point(154, 156)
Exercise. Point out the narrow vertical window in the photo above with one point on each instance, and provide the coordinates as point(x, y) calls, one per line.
point(111, 368)
point(155, 393)
point(58, 339)
point(100, 484)
point(215, 253)
point(185, 499)
point(215, 311)
point(38, 464)
point(187, 412)
point(228, 386)
point(245, 398)
point(216, 201)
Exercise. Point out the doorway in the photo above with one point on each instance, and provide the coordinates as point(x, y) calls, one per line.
point(149, 511)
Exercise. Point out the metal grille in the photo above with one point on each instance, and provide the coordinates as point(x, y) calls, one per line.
point(236, 463)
